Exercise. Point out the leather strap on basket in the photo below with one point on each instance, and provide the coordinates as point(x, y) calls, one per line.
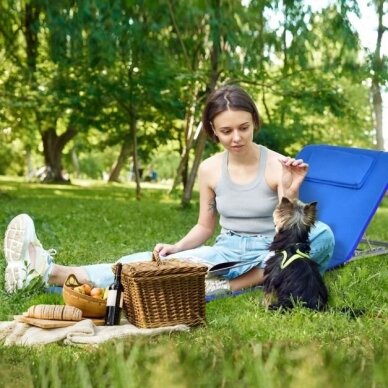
point(156, 258)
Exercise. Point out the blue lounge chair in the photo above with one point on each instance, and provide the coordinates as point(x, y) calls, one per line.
point(349, 184)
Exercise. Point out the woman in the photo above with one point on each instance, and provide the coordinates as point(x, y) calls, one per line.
point(243, 185)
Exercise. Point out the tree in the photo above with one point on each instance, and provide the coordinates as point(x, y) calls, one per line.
point(304, 81)
point(208, 32)
point(137, 74)
point(137, 83)
point(379, 73)
point(50, 74)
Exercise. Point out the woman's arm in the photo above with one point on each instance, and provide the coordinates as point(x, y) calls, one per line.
point(292, 176)
point(285, 175)
point(207, 218)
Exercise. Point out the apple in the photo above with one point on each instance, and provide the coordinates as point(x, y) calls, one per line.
point(87, 288)
point(97, 293)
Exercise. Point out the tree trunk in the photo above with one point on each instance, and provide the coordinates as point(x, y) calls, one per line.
point(30, 167)
point(128, 148)
point(182, 170)
point(31, 18)
point(378, 69)
point(378, 113)
point(188, 191)
point(260, 53)
point(75, 161)
point(125, 152)
point(53, 146)
point(285, 62)
point(200, 146)
point(133, 125)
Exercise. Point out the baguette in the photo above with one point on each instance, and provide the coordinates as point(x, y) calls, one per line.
point(55, 312)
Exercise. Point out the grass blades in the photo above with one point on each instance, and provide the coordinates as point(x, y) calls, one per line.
point(241, 345)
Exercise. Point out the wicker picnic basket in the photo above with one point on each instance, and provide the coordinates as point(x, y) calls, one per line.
point(164, 293)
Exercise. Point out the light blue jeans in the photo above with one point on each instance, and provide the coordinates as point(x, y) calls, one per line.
point(229, 247)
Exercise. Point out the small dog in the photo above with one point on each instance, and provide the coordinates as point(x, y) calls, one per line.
point(290, 274)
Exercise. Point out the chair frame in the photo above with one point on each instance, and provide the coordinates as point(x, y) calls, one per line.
point(375, 248)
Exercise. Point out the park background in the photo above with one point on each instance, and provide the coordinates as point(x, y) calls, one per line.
point(114, 90)
point(90, 89)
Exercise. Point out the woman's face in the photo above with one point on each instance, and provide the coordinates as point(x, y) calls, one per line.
point(234, 129)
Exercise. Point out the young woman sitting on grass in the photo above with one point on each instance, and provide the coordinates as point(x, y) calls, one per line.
point(242, 184)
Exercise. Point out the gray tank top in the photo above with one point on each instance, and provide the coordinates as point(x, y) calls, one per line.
point(248, 208)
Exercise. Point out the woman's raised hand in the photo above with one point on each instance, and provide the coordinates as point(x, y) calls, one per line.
point(165, 249)
point(293, 174)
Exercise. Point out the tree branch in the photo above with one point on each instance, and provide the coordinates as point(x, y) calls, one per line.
point(178, 34)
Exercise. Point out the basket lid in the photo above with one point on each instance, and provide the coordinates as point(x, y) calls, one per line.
point(158, 267)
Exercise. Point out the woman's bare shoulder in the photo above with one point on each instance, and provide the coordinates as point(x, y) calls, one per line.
point(212, 162)
point(210, 169)
point(273, 169)
point(273, 159)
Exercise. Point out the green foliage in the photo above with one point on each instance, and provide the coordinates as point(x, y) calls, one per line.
point(241, 344)
point(98, 67)
point(9, 164)
point(165, 161)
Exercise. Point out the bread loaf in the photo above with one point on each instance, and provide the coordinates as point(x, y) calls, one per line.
point(55, 312)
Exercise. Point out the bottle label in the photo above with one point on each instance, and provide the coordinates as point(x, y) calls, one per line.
point(111, 301)
point(121, 300)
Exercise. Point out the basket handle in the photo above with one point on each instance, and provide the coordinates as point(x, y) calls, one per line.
point(156, 258)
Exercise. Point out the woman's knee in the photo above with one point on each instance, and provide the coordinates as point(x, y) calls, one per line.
point(322, 245)
point(321, 234)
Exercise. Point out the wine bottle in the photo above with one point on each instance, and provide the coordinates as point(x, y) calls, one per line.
point(114, 302)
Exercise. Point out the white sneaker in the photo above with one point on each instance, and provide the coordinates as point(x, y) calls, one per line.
point(217, 287)
point(26, 258)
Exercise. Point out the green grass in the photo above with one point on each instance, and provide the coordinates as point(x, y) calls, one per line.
point(241, 345)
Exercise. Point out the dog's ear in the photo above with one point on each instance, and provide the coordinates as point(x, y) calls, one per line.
point(310, 212)
point(285, 201)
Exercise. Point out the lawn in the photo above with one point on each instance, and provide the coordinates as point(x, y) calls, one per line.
point(241, 345)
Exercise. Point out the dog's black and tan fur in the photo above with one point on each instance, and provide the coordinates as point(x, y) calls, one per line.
point(297, 280)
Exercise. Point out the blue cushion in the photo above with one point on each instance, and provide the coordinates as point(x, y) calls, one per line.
point(339, 168)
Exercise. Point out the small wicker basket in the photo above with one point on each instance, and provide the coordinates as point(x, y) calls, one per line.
point(164, 293)
point(90, 307)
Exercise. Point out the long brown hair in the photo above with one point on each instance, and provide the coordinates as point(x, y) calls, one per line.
point(228, 97)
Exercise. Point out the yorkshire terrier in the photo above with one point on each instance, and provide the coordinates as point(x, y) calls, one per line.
point(290, 275)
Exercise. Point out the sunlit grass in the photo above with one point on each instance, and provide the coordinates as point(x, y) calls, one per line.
point(241, 345)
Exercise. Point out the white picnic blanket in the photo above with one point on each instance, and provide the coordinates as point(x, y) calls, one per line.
point(84, 332)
